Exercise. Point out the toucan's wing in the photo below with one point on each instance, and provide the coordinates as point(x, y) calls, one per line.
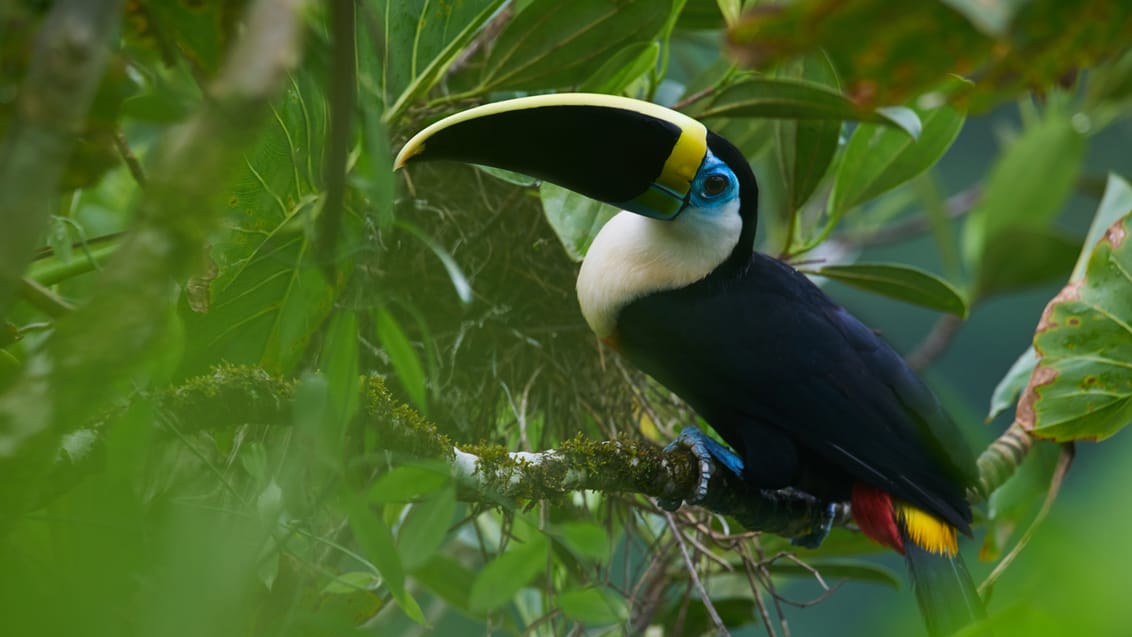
point(766, 348)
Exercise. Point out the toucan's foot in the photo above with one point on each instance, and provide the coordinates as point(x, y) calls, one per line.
point(708, 453)
point(818, 533)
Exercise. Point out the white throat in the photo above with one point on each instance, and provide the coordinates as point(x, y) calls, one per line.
point(633, 256)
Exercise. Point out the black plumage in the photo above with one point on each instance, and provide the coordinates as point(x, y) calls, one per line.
point(802, 391)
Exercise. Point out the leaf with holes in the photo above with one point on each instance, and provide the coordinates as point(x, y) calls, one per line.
point(1082, 386)
point(1116, 203)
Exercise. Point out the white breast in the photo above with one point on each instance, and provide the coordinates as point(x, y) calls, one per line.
point(633, 256)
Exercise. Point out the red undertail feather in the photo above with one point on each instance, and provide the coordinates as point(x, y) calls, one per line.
point(890, 522)
point(874, 514)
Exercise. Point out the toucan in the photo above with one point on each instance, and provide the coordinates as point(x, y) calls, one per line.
point(804, 395)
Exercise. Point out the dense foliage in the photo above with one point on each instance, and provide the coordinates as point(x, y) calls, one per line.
point(236, 349)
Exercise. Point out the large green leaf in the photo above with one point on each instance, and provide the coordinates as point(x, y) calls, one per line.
point(552, 44)
point(498, 582)
point(338, 361)
point(425, 528)
point(1082, 386)
point(420, 40)
point(268, 297)
point(376, 542)
point(450, 579)
point(406, 362)
point(1027, 185)
point(879, 158)
point(806, 147)
point(593, 606)
point(1116, 203)
point(901, 282)
point(576, 219)
point(623, 68)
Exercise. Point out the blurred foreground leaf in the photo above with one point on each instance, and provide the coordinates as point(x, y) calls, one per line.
point(1006, 48)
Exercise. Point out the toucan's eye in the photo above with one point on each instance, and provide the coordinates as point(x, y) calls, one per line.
point(715, 184)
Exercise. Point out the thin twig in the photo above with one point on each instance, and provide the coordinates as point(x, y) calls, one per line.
point(128, 156)
point(704, 597)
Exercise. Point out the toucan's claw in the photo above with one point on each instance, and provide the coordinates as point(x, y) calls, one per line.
point(818, 533)
point(709, 453)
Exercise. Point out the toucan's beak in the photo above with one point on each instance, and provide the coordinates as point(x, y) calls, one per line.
point(632, 154)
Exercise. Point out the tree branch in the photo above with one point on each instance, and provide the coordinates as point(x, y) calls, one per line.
point(233, 396)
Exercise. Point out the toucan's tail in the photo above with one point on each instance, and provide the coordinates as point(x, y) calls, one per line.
point(944, 589)
point(946, 594)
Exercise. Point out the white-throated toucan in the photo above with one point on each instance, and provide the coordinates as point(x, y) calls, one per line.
point(804, 393)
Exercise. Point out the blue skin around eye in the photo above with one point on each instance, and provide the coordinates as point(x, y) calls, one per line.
point(712, 165)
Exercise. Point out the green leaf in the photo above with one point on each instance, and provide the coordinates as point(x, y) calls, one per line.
point(425, 528)
point(584, 539)
point(552, 44)
point(265, 299)
point(455, 274)
point(879, 158)
point(1082, 386)
point(448, 578)
point(900, 282)
point(623, 68)
point(374, 176)
point(502, 578)
point(420, 41)
point(576, 219)
point(376, 541)
point(339, 363)
point(806, 147)
point(352, 582)
point(407, 483)
point(785, 98)
point(1115, 204)
point(403, 357)
point(850, 569)
point(1023, 257)
point(593, 606)
point(1027, 185)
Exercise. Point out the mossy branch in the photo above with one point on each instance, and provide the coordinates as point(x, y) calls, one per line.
point(232, 396)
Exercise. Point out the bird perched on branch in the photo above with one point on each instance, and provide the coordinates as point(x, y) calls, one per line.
point(803, 393)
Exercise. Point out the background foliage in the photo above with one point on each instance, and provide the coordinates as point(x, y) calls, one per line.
point(215, 189)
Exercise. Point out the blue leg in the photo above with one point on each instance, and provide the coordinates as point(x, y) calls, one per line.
point(708, 452)
point(817, 535)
